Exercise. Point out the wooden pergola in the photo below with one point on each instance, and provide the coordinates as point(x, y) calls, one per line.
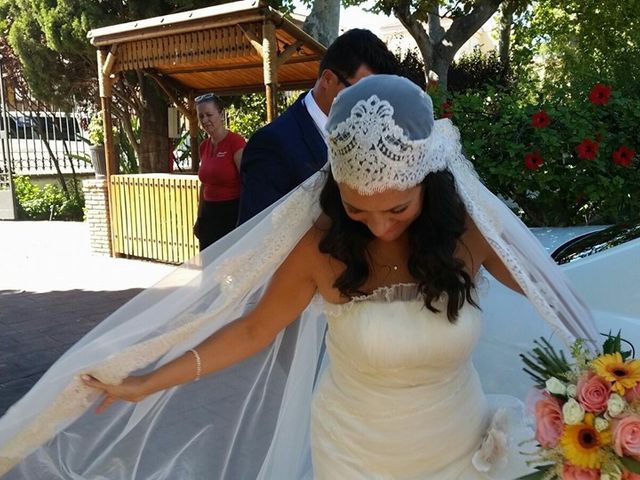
point(233, 48)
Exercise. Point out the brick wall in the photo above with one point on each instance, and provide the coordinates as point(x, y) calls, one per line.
point(97, 212)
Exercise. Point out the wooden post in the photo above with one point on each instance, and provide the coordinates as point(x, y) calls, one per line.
point(270, 67)
point(105, 87)
point(193, 134)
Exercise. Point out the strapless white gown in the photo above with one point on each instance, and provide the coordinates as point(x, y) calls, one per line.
point(401, 399)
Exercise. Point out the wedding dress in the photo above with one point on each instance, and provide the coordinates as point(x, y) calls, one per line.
point(401, 399)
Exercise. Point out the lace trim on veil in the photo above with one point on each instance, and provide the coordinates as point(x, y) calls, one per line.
point(236, 275)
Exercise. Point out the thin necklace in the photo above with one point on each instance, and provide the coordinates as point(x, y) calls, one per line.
point(390, 267)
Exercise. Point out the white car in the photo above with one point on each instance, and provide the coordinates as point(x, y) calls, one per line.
point(602, 263)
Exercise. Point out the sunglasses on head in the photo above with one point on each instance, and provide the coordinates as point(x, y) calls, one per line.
point(207, 97)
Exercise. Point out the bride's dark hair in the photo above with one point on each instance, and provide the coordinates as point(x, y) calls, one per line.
point(433, 237)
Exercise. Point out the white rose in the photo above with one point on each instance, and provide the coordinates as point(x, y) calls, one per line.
point(601, 424)
point(555, 386)
point(572, 390)
point(610, 476)
point(572, 412)
point(616, 405)
point(611, 473)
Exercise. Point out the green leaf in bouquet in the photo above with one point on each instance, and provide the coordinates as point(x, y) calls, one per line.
point(613, 344)
point(539, 475)
point(631, 464)
point(544, 362)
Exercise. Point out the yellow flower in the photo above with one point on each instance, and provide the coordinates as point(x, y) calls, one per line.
point(622, 375)
point(582, 443)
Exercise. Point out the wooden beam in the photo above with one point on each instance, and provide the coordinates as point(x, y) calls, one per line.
point(105, 86)
point(110, 61)
point(161, 31)
point(192, 117)
point(270, 67)
point(288, 26)
point(253, 40)
point(184, 109)
point(288, 52)
point(230, 66)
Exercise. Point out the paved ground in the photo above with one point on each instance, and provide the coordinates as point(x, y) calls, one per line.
point(52, 291)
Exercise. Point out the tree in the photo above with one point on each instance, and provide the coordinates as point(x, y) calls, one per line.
point(323, 21)
point(508, 11)
point(15, 77)
point(593, 40)
point(423, 19)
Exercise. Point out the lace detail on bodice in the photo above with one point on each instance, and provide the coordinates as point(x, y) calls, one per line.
point(385, 294)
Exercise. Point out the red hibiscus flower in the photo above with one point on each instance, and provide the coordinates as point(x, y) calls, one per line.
point(623, 156)
point(540, 119)
point(599, 94)
point(533, 160)
point(588, 149)
point(447, 110)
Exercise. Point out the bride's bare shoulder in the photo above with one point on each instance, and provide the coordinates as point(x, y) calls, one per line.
point(312, 238)
point(309, 245)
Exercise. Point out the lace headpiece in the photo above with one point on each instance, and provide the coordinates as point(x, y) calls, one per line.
point(380, 135)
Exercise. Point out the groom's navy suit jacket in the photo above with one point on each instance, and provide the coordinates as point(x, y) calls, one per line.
point(279, 157)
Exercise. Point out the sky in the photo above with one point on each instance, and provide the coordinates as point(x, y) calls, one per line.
point(354, 17)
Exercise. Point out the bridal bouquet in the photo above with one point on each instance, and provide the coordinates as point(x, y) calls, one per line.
point(587, 412)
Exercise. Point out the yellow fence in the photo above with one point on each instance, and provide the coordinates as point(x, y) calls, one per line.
point(152, 216)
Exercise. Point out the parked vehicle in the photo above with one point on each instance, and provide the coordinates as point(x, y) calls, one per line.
point(33, 137)
point(603, 264)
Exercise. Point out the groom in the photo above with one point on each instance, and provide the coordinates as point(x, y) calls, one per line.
point(284, 153)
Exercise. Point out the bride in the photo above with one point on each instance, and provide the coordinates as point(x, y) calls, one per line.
point(393, 262)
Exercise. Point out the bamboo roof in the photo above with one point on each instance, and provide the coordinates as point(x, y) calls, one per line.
point(216, 48)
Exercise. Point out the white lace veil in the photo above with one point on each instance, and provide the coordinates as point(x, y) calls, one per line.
point(251, 421)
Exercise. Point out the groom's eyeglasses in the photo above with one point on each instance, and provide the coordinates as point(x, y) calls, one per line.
point(341, 78)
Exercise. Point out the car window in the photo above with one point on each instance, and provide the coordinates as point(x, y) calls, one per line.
point(595, 242)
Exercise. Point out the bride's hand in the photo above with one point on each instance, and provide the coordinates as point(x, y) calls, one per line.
point(131, 390)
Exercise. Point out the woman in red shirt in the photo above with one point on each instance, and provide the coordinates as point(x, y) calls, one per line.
point(219, 173)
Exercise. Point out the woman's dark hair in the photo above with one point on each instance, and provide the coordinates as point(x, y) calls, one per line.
point(434, 236)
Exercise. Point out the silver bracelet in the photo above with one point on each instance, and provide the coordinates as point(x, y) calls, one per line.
point(196, 355)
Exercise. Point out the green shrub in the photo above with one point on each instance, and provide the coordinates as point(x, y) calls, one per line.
point(35, 203)
point(563, 159)
point(475, 70)
point(247, 113)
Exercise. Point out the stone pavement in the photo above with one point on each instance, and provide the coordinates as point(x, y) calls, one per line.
point(53, 291)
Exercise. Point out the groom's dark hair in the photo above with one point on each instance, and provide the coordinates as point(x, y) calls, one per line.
point(434, 237)
point(357, 47)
